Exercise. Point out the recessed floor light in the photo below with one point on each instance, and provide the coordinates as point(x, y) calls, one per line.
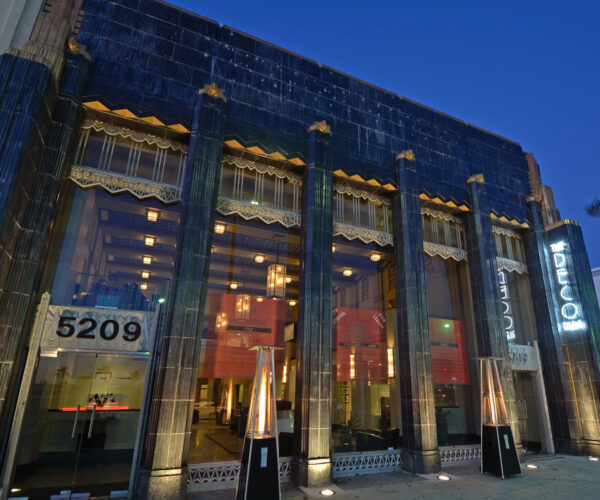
point(443, 477)
point(593, 459)
point(532, 466)
point(327, 492)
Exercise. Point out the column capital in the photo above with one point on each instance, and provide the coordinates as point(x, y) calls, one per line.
point(478, 178)
point(533, 197)
point(322, 127)
point(407, 155)
point(213, 91)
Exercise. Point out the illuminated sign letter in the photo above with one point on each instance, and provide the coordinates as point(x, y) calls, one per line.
point(570, 309)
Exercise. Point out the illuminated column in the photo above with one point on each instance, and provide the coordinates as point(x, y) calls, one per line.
point(561, 402)
point(485, 288)
point(577, 334)
point(413, 348)
point(42, 84)
point(164, 474)
point(311, 465)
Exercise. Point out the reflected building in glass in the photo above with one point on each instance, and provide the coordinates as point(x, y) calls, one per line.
point(175, 193)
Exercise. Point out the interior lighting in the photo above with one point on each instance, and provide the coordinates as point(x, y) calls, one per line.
point(446, 325)
point(276, 280)
point(347, 272)
point(152, 216)
point(375, 257)
point(390, 355)
point(259, 299)
point(233, 285)
point(161, 300)
point(443, 477)
point(144, 286)
point(292, 303)
point(219, 228)
point(145, 275)
point(147, 260)
point(15, 490)
point(288, 279)
point(532, 466)
point(593, 459)
point(327, 492)
point(259, 258)
point(332, 248)
point(149, 241)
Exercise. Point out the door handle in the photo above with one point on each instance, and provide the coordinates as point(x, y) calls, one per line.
point(92, 422)
point(75, 422)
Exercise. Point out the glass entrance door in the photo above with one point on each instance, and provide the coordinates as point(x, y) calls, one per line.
point(80, 425)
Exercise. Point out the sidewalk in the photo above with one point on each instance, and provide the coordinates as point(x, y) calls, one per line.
point(557, 477)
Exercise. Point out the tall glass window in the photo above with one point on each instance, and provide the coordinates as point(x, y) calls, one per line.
point(365, 406)
point(251, 300)
point(112, 251)
point(452, 351)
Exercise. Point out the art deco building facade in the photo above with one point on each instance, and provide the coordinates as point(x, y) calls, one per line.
point(174, 192)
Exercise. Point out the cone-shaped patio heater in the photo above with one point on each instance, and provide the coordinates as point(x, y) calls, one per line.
point(259, 468)
point(498, 452)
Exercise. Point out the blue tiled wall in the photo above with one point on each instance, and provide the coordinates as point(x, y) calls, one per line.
point(152, 57)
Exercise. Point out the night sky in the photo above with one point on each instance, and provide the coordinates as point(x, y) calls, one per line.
point(529, 71)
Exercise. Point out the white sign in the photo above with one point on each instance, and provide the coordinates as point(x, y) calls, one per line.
point(68, 327)
point(570, 308)
point(509, 324)
point(522, 357)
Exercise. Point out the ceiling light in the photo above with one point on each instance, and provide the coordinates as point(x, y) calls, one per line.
point(149, 241)
point(233, 285)
point(327, 492)
point(276, 280)
point(375, 257)
point(219, 228)
point(532, 466)
point(347, 272)
point(259, 299)
point(292, 303)
point(288, 279)
point(145, 275)
point(143, 286)
point(443, 477)
point(152, 216)
point(259, 258)
point(147, 260)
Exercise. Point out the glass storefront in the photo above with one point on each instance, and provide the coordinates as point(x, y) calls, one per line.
point(453, 351)
point(80, 426)
point(365, 412)
point(110, 261)
point(112, 251)
point(252, 299)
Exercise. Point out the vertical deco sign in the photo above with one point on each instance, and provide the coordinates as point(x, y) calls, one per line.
point(509, 324)
point(571, 314)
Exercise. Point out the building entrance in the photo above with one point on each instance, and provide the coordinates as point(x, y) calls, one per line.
point(80, 425)
point(75, 429)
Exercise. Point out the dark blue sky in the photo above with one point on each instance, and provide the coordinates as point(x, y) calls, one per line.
point(528, 70)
